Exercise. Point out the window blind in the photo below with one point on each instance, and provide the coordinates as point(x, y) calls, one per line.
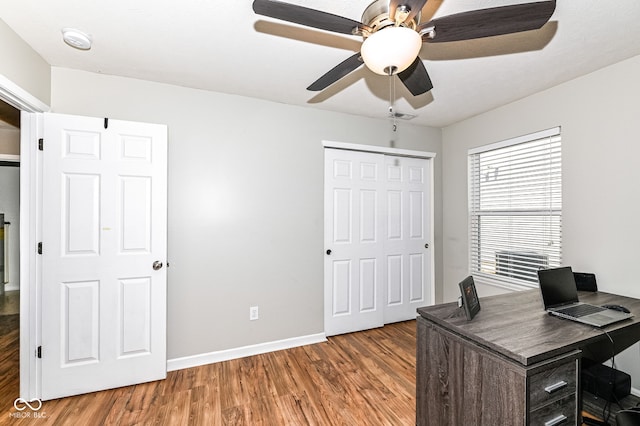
point(515, 209)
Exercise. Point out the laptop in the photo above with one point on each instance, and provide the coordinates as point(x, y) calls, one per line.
point(560, 298)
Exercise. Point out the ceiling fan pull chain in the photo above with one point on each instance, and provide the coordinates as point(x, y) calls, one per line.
point(395, 118)
point(392, 98)
point(392, 113)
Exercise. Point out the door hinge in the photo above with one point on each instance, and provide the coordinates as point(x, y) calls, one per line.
point(39, 248)
point(39, 352)
point(40, 144)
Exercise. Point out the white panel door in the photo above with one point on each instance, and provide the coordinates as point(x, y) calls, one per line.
point(104, 225)
point(378, 262)
point(407, 255)
point(353, 231)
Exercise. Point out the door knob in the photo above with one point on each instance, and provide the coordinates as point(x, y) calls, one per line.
point(157, 265)
point(426, 245)
point(329, 251)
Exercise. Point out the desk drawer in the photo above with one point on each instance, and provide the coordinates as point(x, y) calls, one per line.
point(552, 383)
point(560, 412)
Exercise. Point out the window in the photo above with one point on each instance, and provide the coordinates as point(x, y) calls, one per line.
point(515, 209)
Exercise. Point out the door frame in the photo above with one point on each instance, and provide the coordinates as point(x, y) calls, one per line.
point(398, 153)
point(30, 221)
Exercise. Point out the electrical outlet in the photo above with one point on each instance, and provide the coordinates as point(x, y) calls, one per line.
point(253, 313)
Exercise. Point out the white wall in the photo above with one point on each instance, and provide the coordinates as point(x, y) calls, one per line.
point(10, 206)
point(24, 66)
point(599, 115)
point(245, 203)
point(9, 140)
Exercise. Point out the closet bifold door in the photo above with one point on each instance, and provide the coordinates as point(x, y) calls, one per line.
point(407, 236)
point(353, 251)
point(377, 234)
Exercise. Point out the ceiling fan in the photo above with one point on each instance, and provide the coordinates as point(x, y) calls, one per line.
point(393, 33)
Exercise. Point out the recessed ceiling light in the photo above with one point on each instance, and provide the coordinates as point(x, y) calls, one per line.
point(76, 38)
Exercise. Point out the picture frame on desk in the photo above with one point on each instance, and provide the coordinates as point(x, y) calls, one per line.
point(469, 296)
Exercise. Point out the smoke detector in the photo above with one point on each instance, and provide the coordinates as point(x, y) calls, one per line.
point(76, 38)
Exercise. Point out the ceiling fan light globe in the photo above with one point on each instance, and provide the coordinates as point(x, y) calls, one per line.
point(392, 48)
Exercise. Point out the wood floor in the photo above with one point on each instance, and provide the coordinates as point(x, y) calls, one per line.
point(365, 378)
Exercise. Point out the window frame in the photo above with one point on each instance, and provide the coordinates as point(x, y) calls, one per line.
point(553, 213)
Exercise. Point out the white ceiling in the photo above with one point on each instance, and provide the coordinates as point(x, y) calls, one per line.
point(224, 47)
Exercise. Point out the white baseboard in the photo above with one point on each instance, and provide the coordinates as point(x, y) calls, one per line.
point(244, 351)
point(635, 392)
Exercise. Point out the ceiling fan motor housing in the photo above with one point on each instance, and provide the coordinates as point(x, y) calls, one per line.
point(376, 16)
point(389, 47)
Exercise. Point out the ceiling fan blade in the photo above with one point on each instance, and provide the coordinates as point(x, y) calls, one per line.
point(416, 78)
point(414, 7)
point(490, 22)
point(336, 73)
point(305, 16)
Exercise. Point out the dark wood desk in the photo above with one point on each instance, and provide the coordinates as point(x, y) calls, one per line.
point(512, 364)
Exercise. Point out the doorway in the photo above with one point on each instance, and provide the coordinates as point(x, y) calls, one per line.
point(9, 232)
point(10, 249)
point(9, 205)
point(9, 209)
point(31, 143)
point(23, 102)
